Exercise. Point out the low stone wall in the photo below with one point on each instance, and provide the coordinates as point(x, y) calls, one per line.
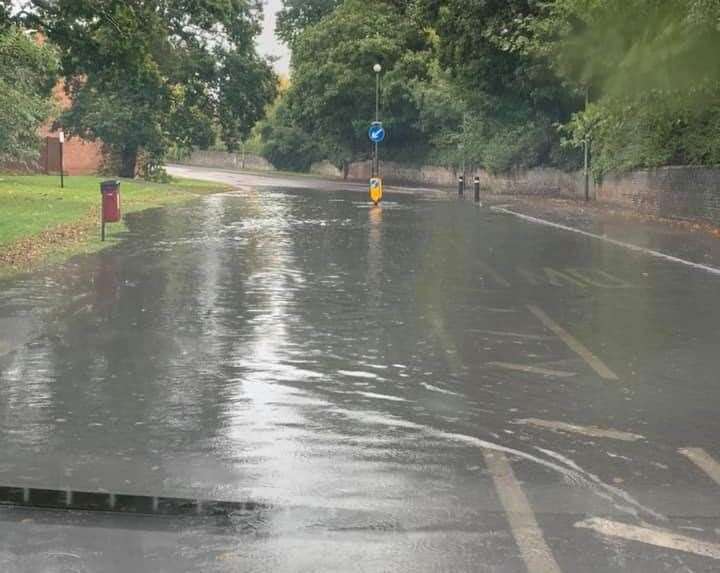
point(547, 182)
point(398, 174)
point(541, 181)
point(325, 169)
point(226, 160)
point(683, 192)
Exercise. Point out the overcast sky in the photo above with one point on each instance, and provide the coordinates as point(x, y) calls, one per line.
point(267, 43)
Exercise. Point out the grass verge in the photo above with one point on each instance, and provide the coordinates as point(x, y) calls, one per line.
point(40, 222)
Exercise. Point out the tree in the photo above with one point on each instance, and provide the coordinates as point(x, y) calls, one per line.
point(510, 89)
point(146, 74)
point(285, 145)
point(332, 95)
point(5, 6)
point(27, 74)
point(296, 15)
point(653, 74)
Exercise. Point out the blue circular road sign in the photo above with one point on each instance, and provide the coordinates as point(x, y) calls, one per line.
point(376, 133)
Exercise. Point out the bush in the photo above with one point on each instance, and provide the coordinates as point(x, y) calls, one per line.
point(289, 148)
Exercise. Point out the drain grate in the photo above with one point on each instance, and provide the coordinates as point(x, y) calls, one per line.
point(121, 503)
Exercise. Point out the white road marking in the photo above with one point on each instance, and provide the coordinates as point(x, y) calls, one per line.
point(511, 334)
point(592, 431)
point(615, 242)
point(533, 548)
point(567, 467)
point(440, 390)
point(574, 344)
point(381, 396)
point(651, 536)
point(358, 374)
point(704, 461)
point(498, 278)
point(533, 369)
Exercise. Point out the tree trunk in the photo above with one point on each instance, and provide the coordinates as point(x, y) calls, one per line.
point(345, 169)
point(128, 162)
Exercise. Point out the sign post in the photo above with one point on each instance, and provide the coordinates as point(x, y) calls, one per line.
point(376, 133)
point(61, 140)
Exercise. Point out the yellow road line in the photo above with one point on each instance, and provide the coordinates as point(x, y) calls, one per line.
point(704, 461)
point(533, 548)
point(574, 344)
point(651, 536)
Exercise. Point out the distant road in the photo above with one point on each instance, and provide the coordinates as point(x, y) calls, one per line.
point(284, 180)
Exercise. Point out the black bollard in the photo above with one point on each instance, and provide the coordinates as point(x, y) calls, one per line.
point(461, 185)
point(476, 184)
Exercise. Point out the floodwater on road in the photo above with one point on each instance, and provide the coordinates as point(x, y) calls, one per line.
point(423, 386)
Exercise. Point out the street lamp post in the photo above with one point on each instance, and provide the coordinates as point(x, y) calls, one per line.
point(586, 152)
point(377, 68)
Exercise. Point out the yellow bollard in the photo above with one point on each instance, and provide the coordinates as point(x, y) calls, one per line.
point(376, 190)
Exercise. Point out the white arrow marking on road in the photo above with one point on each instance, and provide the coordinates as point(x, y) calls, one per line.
point(704, 461)
point(592, 431)
point(651, 536)
point(533, 369)
point(535, 552)
point(574, 344)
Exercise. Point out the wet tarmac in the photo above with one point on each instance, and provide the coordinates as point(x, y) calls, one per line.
point(424, 386)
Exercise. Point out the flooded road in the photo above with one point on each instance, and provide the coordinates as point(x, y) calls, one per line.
point(423, 386)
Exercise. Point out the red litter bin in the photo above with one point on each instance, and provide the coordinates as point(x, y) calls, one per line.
point(110, 191)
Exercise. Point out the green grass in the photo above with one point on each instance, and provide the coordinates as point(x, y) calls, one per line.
point(33, 205)
point(30, 204)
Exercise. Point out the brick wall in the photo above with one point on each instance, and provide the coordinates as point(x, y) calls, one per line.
point(80, 157)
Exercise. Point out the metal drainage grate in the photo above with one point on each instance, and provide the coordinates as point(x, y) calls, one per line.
point(121, 503)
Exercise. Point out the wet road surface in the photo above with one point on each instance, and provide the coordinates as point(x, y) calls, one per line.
point(424, 386)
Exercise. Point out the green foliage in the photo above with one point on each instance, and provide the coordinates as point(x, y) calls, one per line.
point(501, 84)
point(649, 130)
point(27, 74)
point(332, 95)
point(5, 20)
point(296, 15)
point(144, 75)
point(285, 145)
point(653, 74)
point(509, 87)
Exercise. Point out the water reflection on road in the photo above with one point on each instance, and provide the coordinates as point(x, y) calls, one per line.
point(349, 365)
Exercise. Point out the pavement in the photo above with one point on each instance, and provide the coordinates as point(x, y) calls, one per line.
point(425, 386)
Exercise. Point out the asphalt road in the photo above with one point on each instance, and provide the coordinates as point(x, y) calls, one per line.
point(424, 386)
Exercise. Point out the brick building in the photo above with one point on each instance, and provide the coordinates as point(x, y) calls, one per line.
point(80, 157)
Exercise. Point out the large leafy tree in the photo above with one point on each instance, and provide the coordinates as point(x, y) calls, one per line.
point(27, 74)
point(653, 74)
point(332, 95)
point(144, 74)
point(513, 95)
point(296, 15)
